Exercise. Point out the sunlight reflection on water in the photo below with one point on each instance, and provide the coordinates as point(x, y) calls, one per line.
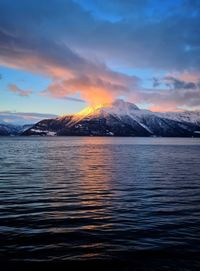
point(78, 198)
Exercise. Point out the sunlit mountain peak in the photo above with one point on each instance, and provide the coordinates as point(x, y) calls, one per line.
point(90, 110)
point(120, 118)
point(117, 105)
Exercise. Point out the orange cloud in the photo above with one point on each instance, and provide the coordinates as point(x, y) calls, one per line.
point(93, 81)
point(93, 93)
point(99, 86)
point(71, 74)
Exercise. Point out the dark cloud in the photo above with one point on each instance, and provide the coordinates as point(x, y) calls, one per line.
point(30, 46)
point(161, 36)
point(175, 83)
point(164, 36)
point(75, 99)
point(156, 82)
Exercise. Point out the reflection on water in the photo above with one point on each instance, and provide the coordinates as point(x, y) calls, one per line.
point(98, 198)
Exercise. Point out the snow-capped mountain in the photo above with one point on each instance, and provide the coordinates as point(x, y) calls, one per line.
point(13, 130)
point(186, 116)
point(119, 118)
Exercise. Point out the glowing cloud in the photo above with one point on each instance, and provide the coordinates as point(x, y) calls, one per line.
point(69, 43)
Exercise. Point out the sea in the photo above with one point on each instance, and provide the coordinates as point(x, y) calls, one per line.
point(111, 203)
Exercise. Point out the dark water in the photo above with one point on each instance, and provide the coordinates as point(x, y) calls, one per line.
point(131, 200)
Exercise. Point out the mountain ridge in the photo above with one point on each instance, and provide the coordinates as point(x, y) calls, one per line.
point(12, 129)
point(119, 118)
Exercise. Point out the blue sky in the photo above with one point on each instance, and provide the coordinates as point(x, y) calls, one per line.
point(35, 102)
point(57, 56)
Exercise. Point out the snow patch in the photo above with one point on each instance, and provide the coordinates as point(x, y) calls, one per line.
point(49, 133)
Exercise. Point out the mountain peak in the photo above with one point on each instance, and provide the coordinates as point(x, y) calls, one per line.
point(119, 118)
point(117, 104)
point(120, 103)
point(117, 107)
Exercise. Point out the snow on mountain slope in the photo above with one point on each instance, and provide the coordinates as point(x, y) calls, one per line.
point(186, 116)
point(11, 129)
point(120, 119)
point(118, 108)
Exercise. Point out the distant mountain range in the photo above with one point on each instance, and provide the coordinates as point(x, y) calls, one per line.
point(119, 118)
point(13, 130)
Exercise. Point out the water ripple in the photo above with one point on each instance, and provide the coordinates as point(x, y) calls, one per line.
point(98, 198)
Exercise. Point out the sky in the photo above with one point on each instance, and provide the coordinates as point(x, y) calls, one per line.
point(58, 56)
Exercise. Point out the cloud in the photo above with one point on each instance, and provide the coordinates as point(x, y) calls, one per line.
point(171, 93)
point(179, 84)
point(156, 82)
point(94, 87)
point(71, 73)
point(15, 89)
point(175, 83)
point(74, 99)
point(21, 118)
point(170, 99)
point(149, 34)
point(174, 100)
point(73, 42)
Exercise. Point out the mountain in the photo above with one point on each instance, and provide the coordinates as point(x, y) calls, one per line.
point(119, 118)
point(13, 130)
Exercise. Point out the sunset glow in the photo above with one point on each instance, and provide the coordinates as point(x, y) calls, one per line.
point(100, 134)
point(60, 57)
